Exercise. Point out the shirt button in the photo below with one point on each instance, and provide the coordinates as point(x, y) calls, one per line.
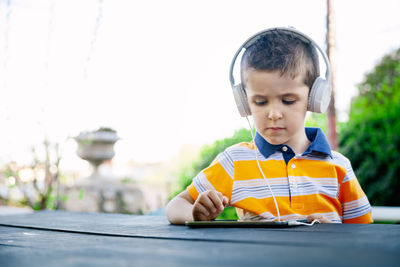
point(293, 166)
point(284, 148)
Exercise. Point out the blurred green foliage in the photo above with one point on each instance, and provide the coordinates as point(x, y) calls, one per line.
point(371, 137)
point(320, 120)
point(317, 120)
point(206, 156)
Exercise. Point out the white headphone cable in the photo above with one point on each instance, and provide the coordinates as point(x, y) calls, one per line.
point(262, 173)
point(294, 223)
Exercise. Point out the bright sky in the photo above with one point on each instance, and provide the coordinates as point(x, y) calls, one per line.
point(155, 70)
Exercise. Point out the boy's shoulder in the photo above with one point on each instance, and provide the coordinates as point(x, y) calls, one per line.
point(339, 159)
point(238, 151)
point(242, 146)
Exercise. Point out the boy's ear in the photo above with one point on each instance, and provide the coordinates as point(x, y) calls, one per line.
point(241, 100)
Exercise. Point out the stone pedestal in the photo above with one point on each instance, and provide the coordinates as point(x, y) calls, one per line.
point(104, 195)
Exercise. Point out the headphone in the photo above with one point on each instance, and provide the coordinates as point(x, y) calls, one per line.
point(320, 92)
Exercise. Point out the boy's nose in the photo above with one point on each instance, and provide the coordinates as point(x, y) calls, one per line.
point(274, 113)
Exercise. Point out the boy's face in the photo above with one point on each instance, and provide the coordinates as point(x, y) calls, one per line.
point(278, 105)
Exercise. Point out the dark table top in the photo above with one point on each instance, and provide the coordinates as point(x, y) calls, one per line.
point(60, 238)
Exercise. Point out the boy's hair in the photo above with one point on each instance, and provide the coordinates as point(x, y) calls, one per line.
point(284, 52)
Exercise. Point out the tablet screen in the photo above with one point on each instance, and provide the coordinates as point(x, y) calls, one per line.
point(234, 223)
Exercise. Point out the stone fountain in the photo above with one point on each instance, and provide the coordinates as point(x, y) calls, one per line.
point(100, 193)
point(96, 147)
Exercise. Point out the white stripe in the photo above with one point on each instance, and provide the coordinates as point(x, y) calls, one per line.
point(303, 185)
point(333, 216)
point(349, 176)
point(240, 153)
point(226, 162)
point(260, 181)
point(345, 163)
point(267, 215)
point(356, 208)
point(276, 156)
point(355, 203)
point(257, 188)
point(299, 185)
point(201, 183)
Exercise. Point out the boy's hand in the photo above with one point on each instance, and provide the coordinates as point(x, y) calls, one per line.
point(321, 218)
point(209, 205)
point(317, 216)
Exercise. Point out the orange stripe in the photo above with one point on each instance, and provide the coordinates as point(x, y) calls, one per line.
point(248, 169)
point(220, 179)
point(258, 206)
point(366, 218)
point(192, 191)
point(317, 203)
point(350, 191)
point(316, 169)
point(245, 170)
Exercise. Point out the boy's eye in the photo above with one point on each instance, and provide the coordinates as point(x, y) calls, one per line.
point(260, 102)
point(288, 101)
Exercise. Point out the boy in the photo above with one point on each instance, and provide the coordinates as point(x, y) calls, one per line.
point(287, 172)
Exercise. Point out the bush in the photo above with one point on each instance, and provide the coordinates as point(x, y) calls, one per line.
point(371, 137)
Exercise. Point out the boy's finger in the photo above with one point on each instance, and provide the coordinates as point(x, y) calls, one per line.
point(199, 209)
point(225, 201)
point(319, 217)
point(207, 203)
point(324, 220)
point(221, 197)
point(217, 201)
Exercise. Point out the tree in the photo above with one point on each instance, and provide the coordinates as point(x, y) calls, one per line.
point(371, 137)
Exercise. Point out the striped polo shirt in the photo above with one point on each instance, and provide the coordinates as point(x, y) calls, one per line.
point(318, 181)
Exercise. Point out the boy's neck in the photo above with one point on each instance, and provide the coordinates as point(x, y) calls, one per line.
point(299, 144)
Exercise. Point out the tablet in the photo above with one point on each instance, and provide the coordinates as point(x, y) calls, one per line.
point(245, 224)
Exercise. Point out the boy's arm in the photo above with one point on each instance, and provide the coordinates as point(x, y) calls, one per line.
point(355, 205)
point(179, 209)
point(208, 206)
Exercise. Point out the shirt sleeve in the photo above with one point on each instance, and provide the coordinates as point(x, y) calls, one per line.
point(218, 176)
point(355, 205)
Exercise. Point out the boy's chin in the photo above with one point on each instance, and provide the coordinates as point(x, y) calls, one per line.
point(274, 141)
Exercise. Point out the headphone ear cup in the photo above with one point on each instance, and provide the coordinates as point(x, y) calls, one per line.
point(320, 96)
point(241, 100)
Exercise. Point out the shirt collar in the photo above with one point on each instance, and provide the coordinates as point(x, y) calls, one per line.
point(319, 144)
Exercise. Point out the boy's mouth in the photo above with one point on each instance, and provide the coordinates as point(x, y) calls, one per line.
point(275, 129)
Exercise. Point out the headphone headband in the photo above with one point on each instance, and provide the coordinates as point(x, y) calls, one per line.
point(320, 91)
point(292, 31)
